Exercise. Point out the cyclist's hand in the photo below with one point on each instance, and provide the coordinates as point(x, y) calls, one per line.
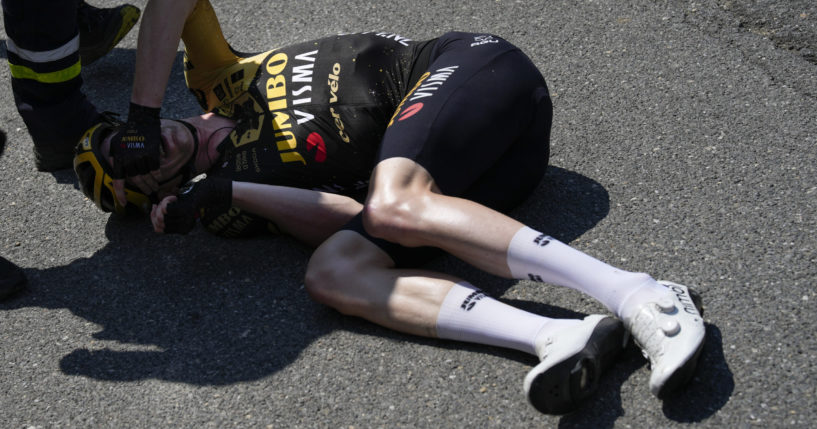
point(179, 214)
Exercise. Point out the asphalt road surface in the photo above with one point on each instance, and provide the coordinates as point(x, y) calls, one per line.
point(684, 145)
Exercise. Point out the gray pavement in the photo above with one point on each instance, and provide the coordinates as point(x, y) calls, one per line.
point(683, 145)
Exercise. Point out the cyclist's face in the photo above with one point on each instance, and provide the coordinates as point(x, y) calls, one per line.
point(174, 152)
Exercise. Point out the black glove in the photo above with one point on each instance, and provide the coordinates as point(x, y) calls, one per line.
point(212, 193)
point(135, 147)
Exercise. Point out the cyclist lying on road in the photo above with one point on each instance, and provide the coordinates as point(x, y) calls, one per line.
point(443, 137)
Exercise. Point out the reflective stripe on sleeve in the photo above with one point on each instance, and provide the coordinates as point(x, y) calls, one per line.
point(44, 56)
point(64, 75)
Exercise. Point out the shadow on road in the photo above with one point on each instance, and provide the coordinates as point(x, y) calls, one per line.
point(195, 309)
point(711, 386)
point(203, 310)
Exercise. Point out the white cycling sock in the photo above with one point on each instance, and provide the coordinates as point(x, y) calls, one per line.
point(535, 256)
point(469, 315)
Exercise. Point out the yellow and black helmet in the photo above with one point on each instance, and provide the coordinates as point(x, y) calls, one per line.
point(94, 172)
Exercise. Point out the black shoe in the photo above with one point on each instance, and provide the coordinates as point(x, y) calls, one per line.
point(101, 29)
point(12, 279)
point(54, 158)
point(55, 150)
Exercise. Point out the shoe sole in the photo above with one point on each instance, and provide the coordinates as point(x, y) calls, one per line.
point(684, 373)
point(564, 386)
point(130, 15)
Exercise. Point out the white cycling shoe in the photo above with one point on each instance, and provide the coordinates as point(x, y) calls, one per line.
point(572, 362)
point(670, 333)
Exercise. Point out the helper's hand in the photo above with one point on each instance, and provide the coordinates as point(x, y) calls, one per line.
point(179, 214)
point(135, 151)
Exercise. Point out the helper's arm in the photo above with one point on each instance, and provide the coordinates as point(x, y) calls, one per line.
point(159, 36)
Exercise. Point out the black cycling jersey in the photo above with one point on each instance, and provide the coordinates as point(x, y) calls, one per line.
point(316, 112)
point(470, 108)
point(312, 114)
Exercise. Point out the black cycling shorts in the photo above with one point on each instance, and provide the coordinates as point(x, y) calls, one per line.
point(478, 121)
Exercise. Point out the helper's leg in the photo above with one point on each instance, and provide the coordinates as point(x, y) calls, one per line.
point(44, 43)
point(43, 54)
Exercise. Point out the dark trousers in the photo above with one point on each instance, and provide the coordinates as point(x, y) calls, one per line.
point(43, 55)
